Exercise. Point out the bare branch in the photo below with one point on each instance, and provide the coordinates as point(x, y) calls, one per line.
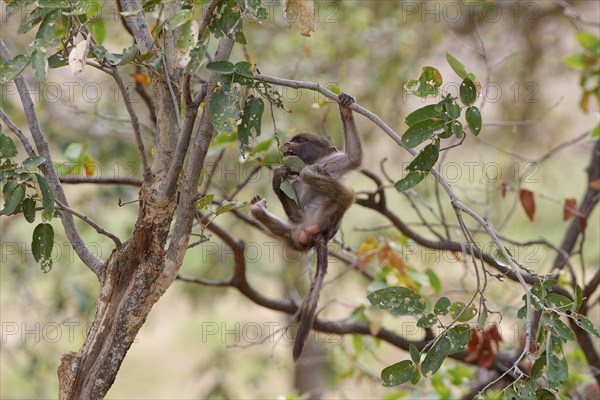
point(102, 180)
point(15, 129)
point(91, 223)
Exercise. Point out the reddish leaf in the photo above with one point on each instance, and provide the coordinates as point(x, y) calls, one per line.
point(505, 187)
point(569, 209)
point(486, 355)
point(473, 345)
point(528, 202)
point(493, 333)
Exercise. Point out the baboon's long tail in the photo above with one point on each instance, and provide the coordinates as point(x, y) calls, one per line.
point(309, 307)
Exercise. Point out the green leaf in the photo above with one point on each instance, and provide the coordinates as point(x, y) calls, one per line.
point(458, 67)
point(179, 18)
point(243, 68)
point(33, 161)
point(441, 306)
point(562, 330)
point(586, 325)
point(431, 76)
point(481, 320)
point(13, 199)
point(457, 129)
point(452, 109)
point(560, 302)
point(204, 201)
point(196, 58)
point(98, 29)
point(421, 131)
point(414, 353)
point(457, 308)
point(287, 188)
point(436, 356)
point(251, 120)
point(557, 369)
point(590, 42)
point(222, 67)
point(426, 321)
point(575, 60)
point(428, 112)
point(473, 117)
point(39, 64)
point(33, 19)
point(425, 160)
point(525, 389)
point(294, 164)
point(409, 181)
point(434, 281)
point(227, 206)
point(29, 209)
point(225, 108)
point(398, 373)
point(10, 69)
point(41, 245)
point(398, 300)
point(459, 336)
point(537, 367)
point(467, 92)
point(545, 394)
point(7, 146)
point(57, 60)
point(47, 196)
point(129, 54)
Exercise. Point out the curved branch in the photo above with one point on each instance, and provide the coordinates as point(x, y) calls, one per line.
point(91, 223)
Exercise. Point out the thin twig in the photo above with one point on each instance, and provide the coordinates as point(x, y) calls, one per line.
point(91, 223)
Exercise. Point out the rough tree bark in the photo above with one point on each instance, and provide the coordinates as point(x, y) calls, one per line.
point(139, 272)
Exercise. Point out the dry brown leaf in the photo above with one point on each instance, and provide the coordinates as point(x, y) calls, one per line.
point(528, 202)
point(595, 185)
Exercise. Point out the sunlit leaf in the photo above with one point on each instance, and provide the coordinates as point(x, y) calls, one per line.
point(456, 311)
point(10, 69)
point(398, 300)
point(398, 373)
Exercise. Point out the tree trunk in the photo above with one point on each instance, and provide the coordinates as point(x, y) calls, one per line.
point(130, 283)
